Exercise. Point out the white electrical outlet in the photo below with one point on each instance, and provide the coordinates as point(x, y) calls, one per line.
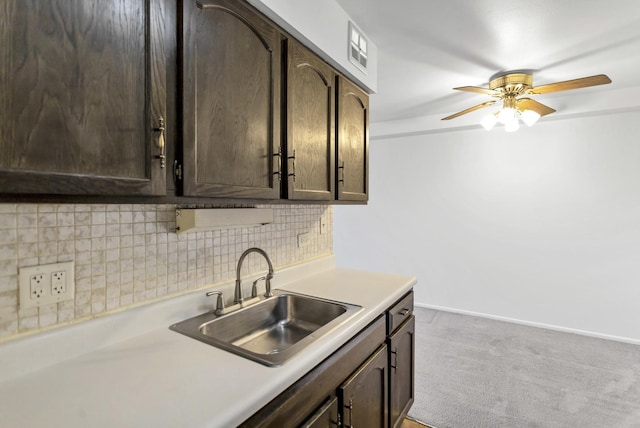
point(303, 239)
point(36, 284)
point(58, 283)
point(46, 284)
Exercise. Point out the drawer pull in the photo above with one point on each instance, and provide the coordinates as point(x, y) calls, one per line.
point(405, 312)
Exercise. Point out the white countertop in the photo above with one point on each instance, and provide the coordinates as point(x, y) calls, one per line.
point(130, 370)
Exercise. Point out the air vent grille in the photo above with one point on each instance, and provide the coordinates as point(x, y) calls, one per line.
point(358, 47)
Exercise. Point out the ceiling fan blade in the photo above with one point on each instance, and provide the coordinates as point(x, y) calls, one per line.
point(469, 110)
point(529, 104)
point(479, 90)
point(584, 82)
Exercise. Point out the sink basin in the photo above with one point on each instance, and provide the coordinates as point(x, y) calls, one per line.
point(272, 330)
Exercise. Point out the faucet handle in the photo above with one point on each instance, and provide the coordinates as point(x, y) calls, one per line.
point(254, 287)
point(219, 302)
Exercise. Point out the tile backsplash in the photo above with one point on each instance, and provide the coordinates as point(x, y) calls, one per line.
point(128, 254)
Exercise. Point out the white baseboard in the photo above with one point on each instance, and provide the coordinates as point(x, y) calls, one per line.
point(531, 323)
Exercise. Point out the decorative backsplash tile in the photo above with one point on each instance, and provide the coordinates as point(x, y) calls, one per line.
point(128, 254)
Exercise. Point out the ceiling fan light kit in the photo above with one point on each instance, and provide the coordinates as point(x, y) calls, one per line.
point(529, 117)
point(510, 87)
point(489, 121)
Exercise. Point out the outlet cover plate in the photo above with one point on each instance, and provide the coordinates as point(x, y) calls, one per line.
point(56, 275)
point(303, 239)
point(323, 225)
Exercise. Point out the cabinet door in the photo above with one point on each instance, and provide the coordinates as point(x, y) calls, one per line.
point(82, 97)
point(401, 372)
point(310, 126)
point(326, 417)
point(231, 101)
point(363, 397)
point(353, 142)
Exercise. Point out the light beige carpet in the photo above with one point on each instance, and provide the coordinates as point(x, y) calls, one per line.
point(475, 373)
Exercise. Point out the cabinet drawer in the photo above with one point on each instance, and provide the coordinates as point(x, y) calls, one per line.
point(399, 313)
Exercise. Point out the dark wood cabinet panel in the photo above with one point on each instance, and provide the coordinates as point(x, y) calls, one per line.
point(327, 416)
point(299, 401)
point(310, 125)
point(401, 372)
point(251, 114)
point(82, 96)
point(363, 397)
point(231, 101)
point(353, 142)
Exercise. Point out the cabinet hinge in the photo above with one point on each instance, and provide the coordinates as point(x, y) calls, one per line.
point(177, 170)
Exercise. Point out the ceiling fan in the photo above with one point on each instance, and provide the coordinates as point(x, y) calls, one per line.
point(512, 89)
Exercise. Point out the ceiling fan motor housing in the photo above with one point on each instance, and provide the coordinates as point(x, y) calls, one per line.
point(512, 84)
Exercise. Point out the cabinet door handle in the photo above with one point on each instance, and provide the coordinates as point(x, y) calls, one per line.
point(350, 408)
point(394, 365)
point(293, 166)
point(279, 156)
point(341, 168)
point(161, 144)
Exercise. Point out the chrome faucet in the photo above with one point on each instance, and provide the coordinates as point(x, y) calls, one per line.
point(238, 297)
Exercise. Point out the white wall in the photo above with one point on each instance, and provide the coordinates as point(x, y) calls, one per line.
point(540, 226)
point(324, 27)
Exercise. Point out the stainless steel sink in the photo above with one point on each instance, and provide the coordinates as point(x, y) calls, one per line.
point(272, 330)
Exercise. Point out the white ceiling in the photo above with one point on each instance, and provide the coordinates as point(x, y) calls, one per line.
point(427, 47)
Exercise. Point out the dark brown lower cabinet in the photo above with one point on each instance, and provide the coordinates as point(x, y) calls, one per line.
point(367, 383)
point(363, 396)
point(401, 346)
point(327, 416)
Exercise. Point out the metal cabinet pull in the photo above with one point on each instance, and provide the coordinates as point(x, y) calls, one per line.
point(293, 166)
point(350, 408)
point(405, 312)
point(341, 167)
point(161, 144)
point(394, 365)
point(279, 156)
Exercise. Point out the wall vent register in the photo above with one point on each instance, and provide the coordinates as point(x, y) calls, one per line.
point(358, 54)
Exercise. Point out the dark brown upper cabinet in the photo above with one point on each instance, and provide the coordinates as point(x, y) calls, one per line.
point(352, 142)
point(310, 138)
point(82, 97)
point(231, 60)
